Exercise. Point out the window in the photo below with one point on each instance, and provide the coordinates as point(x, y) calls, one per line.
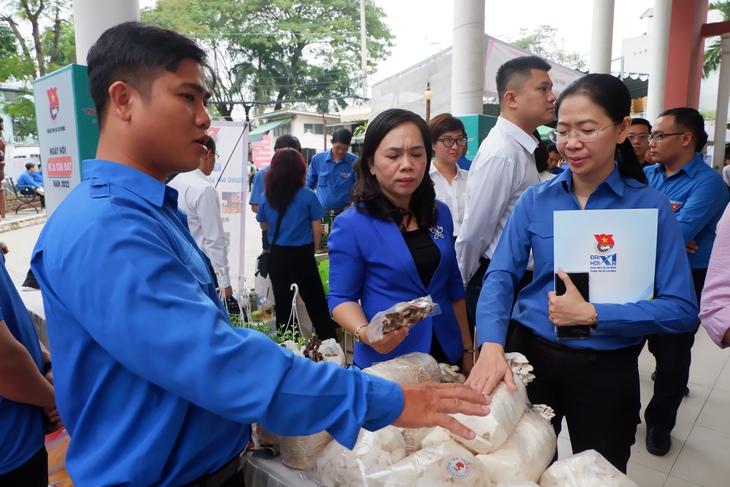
point(282, 129)
point(314, 128)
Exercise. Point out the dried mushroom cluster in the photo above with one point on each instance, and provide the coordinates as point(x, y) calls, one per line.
point(406, 314)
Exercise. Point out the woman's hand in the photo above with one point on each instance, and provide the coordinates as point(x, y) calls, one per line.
point(490, 369)
point(569, 309)
point(389, 341)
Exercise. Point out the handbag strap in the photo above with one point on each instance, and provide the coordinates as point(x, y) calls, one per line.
point(278, 225)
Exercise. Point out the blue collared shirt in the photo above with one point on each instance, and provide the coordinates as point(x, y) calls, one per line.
point(698, 196)
point(153, 384)
point(296, 227)
point(37, 176)
point(26, 180)
point(530, 227)
point(22, 430)
point(332, 180)
point(257, 187)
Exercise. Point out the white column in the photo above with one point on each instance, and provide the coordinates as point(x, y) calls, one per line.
point(659, 55)
point(723, 93)
point(602, 36)
point(468, 63)
point(92, 17)
point(363, 51)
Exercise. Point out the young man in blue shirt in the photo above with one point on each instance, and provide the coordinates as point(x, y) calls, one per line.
point(698, 196)
point(28, 183)
point(154, 385)
point(332, 172)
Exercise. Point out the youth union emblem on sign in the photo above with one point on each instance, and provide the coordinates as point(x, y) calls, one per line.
point(604, 243)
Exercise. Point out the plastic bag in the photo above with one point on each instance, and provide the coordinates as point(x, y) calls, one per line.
point(411, 367)
point(527, 452)
point(586, 469)
point(374, 451)
point(56, 445)
point(299, 452)
point(447, 464)
point(494, 429)
point(414, 437)
point(323, 267)
point(400, 315)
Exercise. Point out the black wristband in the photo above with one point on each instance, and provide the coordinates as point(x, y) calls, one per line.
point(47, 367)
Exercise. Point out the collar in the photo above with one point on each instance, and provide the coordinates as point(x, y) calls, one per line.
point(614, 181)
point(523, 138)
point(690, 168)
point(133, 180)
point(459, 171)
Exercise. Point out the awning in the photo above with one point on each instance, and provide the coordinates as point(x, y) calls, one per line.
point(258, 133)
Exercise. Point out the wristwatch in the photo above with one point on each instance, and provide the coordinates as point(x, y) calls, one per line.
point(357, 332)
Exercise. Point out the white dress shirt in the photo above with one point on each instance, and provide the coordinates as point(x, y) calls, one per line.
point(502, 170)
point(199, 199)
point(453, 194)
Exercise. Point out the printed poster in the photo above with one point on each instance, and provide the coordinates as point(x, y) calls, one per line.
point(617, 248)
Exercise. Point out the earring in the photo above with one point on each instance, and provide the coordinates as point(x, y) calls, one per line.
point(372, 173)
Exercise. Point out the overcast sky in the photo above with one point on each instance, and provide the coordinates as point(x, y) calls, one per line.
point(424, 27)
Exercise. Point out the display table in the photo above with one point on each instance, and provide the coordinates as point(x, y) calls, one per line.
point(270, 472)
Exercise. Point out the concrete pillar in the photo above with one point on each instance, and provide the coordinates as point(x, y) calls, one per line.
point(468, 62)
point(92, 17)
point(658, 52)
point(723, 94)
point(686, 49)
point(601, 36)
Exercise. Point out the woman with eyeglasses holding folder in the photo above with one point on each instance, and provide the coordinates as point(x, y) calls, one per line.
point(592, 382)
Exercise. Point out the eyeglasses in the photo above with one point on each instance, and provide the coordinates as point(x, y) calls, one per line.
point(659, 137)
point(449, 142)
point(562, 136)
point(640, 137)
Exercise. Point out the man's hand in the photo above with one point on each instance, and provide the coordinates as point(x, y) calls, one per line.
point(570, 309)
point(490, 369)
point(691, 247)
point(428, 405)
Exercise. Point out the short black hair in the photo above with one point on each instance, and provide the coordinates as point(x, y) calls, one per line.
point(689, 119)
point(445, 122)
point(552, 148)
point(518, 67)
point(641, 121)
point(343, 136)
point(135, 53)
point(29, 165)
point(288, 141)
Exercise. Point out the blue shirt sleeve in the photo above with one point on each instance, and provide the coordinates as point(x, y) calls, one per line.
point(703, 205)
point(25, 180)
point(316, 212)
point(257, 188)
point(312, 175)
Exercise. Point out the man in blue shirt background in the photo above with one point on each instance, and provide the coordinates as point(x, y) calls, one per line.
point(26, 396)
point(154, 385)
point(698, 197)
point(332, 172)
point(28, 183)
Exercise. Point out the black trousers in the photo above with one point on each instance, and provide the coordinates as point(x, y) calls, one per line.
point(297, 265)
point(596, 391)
point(673, 354)
point(33, 473)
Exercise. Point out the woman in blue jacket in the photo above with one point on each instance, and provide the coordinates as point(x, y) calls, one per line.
point(394, 244)
point(294, 239)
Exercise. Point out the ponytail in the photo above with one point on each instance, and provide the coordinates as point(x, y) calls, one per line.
point(628, 164)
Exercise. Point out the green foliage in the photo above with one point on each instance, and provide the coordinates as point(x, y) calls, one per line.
point(262, 50)
point(712, 53)
point(286, 332)
point(543, 42)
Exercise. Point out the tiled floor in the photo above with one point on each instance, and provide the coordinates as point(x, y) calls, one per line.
point(700, 441)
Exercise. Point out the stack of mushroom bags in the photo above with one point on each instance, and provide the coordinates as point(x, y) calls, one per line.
point(514, 444)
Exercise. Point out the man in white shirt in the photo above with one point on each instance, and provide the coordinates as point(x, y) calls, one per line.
point(504, 166)
point(199, 199)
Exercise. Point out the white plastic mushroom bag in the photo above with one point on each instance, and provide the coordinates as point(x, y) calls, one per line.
point(585, 469)
point(494, 429)
point(527, 452)
point(411, 367)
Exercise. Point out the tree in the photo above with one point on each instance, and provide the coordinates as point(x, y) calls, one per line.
point(50, 46)
point(279, 50)
point(712, 53)
point(543, 42)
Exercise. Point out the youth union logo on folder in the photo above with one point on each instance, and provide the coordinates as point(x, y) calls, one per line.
point(615, 248)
